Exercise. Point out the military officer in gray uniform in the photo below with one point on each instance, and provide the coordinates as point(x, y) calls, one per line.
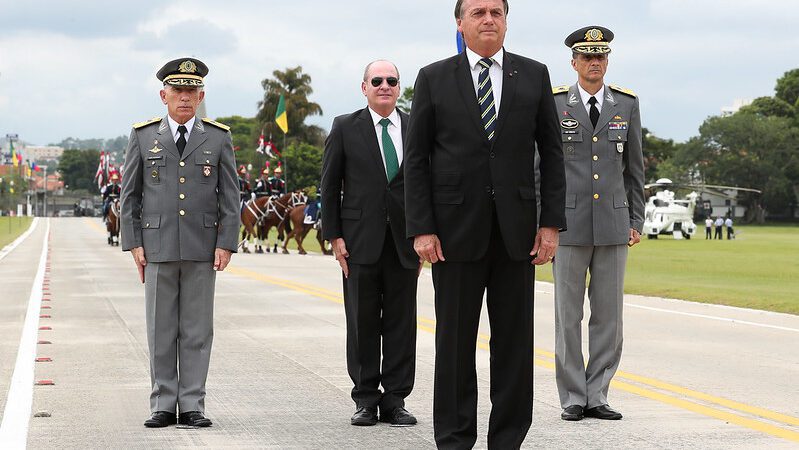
point(601, 133)
point(180, 219)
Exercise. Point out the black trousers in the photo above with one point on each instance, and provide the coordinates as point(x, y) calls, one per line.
point(380, 305)
point(459, 290)
point(718, 233)
point(708, 233)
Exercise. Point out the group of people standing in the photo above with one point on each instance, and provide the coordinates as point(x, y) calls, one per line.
point(494, 172)
point(720, 223)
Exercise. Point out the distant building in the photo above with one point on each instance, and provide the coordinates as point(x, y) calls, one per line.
point(737, 104)
point(42, 153)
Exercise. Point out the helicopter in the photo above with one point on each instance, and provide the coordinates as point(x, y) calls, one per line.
point(668, 215)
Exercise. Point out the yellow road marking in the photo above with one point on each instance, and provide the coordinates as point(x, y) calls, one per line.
point(427, 325)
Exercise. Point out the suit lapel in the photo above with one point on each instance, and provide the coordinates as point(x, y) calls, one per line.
point(509, 80)
point(165, 138)
point(367, 128)
point(577, 109)
point(403, 128)
point(608, 110)
point(196, 138)
point(463, 77)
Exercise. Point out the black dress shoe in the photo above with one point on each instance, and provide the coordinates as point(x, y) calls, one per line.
point(364, 416)
point(160, 419)
point(603, 412)
point(398, 417)
point(572, 413)
point(194, 419)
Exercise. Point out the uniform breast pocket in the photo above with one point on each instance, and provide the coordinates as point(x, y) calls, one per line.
point(206, 165)
point(618, 143)
point(570, 139)
point(155, 170)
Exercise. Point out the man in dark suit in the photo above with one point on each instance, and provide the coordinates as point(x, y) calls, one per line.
point(363, 209)
point(471, 209)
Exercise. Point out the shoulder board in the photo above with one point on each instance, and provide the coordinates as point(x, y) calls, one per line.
point(216, 124)
point(622, 90)
point(560, 89)
point(146, 122)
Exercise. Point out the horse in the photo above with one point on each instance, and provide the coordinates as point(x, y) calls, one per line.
point(261, 214)
point(296, 218)
point(297, 198)
point(112, 223)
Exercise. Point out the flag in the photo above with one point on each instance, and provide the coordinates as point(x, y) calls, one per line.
point(35, 167)
point(100, 167)
point(459, 42)
point(281, 119)
point(27, 170)
point(14, 155)
point(271, 149)
point(260, 148)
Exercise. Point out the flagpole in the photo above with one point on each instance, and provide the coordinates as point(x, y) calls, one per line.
point(285, 165)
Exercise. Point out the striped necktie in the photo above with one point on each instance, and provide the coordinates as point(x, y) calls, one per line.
point(485, 97)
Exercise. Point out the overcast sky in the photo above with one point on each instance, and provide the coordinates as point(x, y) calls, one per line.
point(87, 68)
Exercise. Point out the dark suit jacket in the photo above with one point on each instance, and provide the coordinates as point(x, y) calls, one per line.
point(357, 199)
point(453, 171)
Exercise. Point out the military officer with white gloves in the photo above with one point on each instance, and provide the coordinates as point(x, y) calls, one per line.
point(601, 134)
point(180, 221)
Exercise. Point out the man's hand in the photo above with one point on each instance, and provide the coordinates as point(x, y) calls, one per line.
point(221, 259)
point(635, 237)
point(421, 266)
point(341, 254)
point(428, 247)
point(545, 246)
point(138, 258)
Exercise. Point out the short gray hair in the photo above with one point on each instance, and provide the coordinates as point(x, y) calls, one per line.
point(369, 66)
point(459, 8)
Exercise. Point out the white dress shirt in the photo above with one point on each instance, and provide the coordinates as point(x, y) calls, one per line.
point(394, 131)
point(494, 72)
point(173, 127)
point(585, 96)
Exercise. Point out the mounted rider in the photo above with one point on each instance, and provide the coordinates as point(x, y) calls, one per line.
point(262, 187)
point(277, 186)
point(110, 192)
point(244, 186)
point(313, 209)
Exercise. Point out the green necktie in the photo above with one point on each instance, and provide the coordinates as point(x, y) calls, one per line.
point(389, 151)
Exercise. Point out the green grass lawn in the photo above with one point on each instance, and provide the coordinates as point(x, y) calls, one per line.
point(310, 243)
point(11, 228)
point(759, 269)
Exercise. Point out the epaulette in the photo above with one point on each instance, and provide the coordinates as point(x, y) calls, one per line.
point(622, 90)
point(146, 122)
point(216, 124)
point(560, 89)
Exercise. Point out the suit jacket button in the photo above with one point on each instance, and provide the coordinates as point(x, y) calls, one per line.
point(596, 139)
point(182, 213)
point(492, 155)
point(182, 163)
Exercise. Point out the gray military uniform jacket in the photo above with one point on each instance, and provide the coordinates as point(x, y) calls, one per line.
point(180, 208)
point(604, 167)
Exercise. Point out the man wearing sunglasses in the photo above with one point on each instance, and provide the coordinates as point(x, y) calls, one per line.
point(363, 210)
point(471, 210)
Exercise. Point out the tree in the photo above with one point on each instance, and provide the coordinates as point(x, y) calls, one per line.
point(78, 167)
point(788, 87)
point(405, 100)
point(241, 130)
point(656, 151)
point(303, 165)
point(770, 106)
point(295, 86)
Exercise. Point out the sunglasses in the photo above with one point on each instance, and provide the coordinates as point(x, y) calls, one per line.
point(392, 81)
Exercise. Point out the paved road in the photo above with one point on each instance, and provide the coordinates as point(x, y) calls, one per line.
point(693, 375)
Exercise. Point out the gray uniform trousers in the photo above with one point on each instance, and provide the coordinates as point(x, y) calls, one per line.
point(579, 384)
point(179, 310)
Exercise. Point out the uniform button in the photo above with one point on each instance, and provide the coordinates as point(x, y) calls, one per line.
point(596, 139)
point(619, 136)
point(182, 213)
point(596, 196)
point(147, 225)
point(596, 177)
point(182, 196)
point(596, 158)
point(208, 161)
point(182, 180)
point(215, 223)
point(182, 163)
point(570, 138)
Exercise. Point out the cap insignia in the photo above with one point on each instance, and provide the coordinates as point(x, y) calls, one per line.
point(188, 66)
point(594, 35)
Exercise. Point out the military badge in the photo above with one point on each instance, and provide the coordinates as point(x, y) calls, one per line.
point(207, 171)
point(617, 125)
point(187, 66)
point(617, 117)
point(594, 35)
point(573, 99)
point(569, 124)
point(620, 147)
point(155, 148)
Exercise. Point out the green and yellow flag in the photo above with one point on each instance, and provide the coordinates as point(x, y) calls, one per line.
point(281, 119)
point(14, 155)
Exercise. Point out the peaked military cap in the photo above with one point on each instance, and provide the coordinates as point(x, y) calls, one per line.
point(590, 40)
point(183, 72)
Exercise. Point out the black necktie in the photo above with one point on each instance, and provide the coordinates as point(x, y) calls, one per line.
point(594, 112)
point(181, 142)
